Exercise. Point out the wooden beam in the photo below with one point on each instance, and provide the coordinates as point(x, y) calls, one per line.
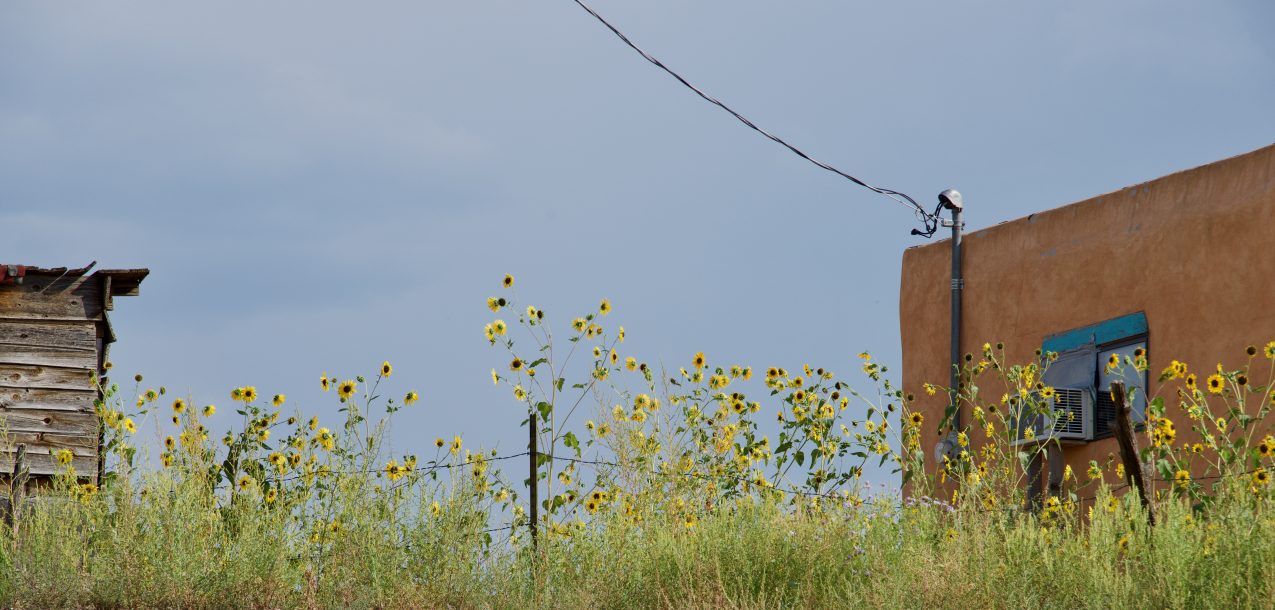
point(49, 298)
point(77, 335)
point(54, 400)
point(1137, 473)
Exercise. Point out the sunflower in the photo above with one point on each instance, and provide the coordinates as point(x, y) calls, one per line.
point(346, 389)
point(515, 365)
point(455, 449)
point(498, 327)
point(508, 282)
point(130, 426)
point(411, 397)
point(605, 307)
point(170, 443)
point(151, 395)
point(278, 400)
point(1261, 477)
point(314, 422)
point(1190, 382)
point(209, 410)
point(439, 442)
point(519, 393)
point(248, 394)
point(271, 495)
point(324, 382)
point(1269, 350)
point(386, 369)
point(179, 406)
point(1182, 479)
point(630, 363)
point(1113, 361)
point(698, 361)
point(917, 419)
point(1215, 384)
point(1241, 380)
point(327, 440)
point(245, 482)
point(494, 304)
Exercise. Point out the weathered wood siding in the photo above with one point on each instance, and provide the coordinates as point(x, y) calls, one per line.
point(51, 345)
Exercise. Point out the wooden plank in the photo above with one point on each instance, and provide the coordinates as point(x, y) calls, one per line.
point(45, 377)
point(41, 463)
point(52, 443)
point(47, 298)
point(39, 355)
point(76, 335)
point(53, 400)
point(46, 421)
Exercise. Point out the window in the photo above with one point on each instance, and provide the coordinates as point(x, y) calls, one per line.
point(1082, 361)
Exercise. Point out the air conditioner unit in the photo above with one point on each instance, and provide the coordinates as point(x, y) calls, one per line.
point(1068, 417)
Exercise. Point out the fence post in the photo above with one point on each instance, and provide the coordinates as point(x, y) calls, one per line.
point(533, 482)
point(18, 487)
point(1133, 467)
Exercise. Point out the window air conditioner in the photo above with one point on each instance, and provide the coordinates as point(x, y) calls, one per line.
point(1068, 417)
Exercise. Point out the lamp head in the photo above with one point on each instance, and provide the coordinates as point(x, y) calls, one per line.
point(951, 200)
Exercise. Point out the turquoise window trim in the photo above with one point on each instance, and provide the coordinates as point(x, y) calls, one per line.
point(1115, 329)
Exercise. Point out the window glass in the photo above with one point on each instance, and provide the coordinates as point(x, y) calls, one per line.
point(1131, 377)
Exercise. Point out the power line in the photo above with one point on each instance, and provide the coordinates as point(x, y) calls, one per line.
point(929, 219)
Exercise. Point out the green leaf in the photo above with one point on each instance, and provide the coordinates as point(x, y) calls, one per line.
point(545, 410)
point(569, 439)
point(800, 458)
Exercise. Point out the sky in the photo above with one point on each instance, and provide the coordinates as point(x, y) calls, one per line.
point(317, 187)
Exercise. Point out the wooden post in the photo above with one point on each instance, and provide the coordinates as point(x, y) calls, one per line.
point(1133, 468)
point(1033, 482)
point(533, 483)
point(17, 487)
point(1054, 455)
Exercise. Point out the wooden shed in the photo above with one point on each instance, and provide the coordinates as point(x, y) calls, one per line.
point(54, 335)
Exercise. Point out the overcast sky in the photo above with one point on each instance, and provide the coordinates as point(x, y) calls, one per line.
point(321, 186)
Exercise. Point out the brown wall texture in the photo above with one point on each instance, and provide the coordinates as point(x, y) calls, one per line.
point(1194, 250)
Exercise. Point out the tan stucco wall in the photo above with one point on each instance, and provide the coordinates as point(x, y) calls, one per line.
point(1194, 250)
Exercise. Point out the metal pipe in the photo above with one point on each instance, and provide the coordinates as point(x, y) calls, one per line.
point(951, 199)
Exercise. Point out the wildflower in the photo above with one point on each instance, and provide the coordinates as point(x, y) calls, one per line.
point(1094, 471)
point(1112, 504)
point(579, 324)
point(493, 304)
point(386, 369)
point(245, 482)
point(619, 336)
point(411, 397)
point(1123, 543)
point(630, 363)
point(130, 426)
point(314, 423)
point(179, 406)
point(346, 389)
point(327, 440)
point(324, 381)
point(698, 361)
point(930, 389)
point(519, 393)
point(393, 471)
point(495, 379)
point(1269, 350)
point(271, 495)
point(1261, 477)
point(508, 281)
point(455, 449)
point(64, 456)
point(490, 333)
point(1182, 479)
point(435, 509)
point(439, 442)
point(278, 400)
point(515, 365)
point(170, 443)
point(209, 410)
point(605, 307)
point(1215, 384)
point(1113, 361)
point(1241, 380)
point(264, 435)
point(962, 439)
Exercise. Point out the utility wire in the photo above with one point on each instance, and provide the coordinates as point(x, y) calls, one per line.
point(929, 219)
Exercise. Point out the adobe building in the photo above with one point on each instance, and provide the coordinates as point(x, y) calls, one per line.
point(55, 334)
point(1182, 266)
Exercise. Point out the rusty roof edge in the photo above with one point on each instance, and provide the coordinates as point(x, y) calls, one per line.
point(124, 282)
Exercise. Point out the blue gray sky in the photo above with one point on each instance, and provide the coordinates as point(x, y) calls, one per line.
point(320, 186)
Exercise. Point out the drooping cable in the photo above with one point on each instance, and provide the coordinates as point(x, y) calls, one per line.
point(929, 219)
